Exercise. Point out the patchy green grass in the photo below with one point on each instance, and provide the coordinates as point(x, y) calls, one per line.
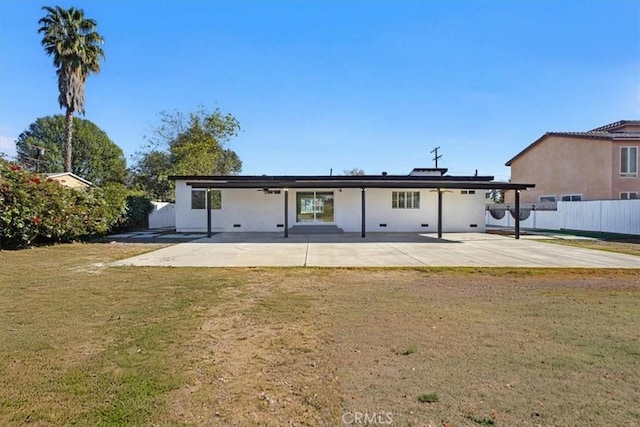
point(481, 421)
point(82, 343)
point(410, 350)
point(428, 398)
point(622, 246)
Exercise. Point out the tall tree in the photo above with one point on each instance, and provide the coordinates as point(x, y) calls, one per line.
point(95, 156)
point(193, 144)
point(151, 175)
point(73, 42)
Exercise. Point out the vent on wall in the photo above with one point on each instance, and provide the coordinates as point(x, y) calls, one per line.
point(424, 225)
point(280, 225)
point(237, 225)
point(383, 225)
point(473, 225)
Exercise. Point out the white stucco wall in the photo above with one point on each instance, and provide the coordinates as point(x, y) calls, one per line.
point(459, 211)
point(254, 210)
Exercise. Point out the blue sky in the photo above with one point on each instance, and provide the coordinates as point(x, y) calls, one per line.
point(321, 85)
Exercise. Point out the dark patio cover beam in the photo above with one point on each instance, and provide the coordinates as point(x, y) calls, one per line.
point(286, 213)
point(517, 218)
point(440, 191)
point(209, 212)
point(364, 191)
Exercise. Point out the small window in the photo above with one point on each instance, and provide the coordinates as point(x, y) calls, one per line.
point(628, 161)
point(629, 195)
point(547, 198)
point(199, 199)
point(571, 198)
point(405, 199)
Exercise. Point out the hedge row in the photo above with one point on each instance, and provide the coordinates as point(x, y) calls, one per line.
point(35, 210)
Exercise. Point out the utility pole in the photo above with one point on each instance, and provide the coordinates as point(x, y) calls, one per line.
point(436, 157)
point(40, 153)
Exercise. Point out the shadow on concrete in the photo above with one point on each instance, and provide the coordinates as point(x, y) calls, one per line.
point(348, 238)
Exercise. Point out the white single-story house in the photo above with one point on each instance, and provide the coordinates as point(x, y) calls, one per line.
point(425, 201)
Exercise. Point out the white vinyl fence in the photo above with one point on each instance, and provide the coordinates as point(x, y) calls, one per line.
point(163, 215)
point(607, 216)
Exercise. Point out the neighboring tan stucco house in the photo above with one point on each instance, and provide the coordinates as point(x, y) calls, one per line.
point(569, 166)
point(69, 179)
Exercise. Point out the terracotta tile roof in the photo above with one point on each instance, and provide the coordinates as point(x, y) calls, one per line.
point(616, 125)
point(598, 135)
point(605, 133)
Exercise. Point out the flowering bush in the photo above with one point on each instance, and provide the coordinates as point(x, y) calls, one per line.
point(37, 210)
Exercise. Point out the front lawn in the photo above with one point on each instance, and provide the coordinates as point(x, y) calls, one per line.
point(84, 343)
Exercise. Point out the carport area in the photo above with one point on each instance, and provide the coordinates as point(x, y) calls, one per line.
point(376, 250)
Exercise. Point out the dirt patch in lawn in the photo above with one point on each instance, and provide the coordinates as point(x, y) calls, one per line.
point(313, 346)
point(260, 358)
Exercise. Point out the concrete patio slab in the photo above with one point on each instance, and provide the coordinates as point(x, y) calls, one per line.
point(376, 250)
point(182, 236)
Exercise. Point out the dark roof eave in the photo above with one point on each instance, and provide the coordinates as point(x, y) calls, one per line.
point(274, 184)
point(326, 178)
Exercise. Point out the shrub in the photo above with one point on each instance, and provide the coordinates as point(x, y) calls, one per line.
point(139, 207)
point(35, 210)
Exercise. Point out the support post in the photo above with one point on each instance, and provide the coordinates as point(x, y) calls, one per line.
point(440, 191)
point(363, 213)
point(208, 212)
point(286, 212)
point(517, 218)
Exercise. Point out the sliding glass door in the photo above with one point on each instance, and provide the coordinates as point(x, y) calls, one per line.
point(314, 206)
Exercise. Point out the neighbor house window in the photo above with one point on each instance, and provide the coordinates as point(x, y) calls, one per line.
point(547, 198)
point(571, 198)
point(629, 161)
point(199, 199)
point(405, 199)
point(629, 195)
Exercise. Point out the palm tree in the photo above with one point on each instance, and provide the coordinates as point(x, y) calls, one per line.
point(73, 42)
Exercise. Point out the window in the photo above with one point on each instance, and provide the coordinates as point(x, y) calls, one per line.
point(628, 161)
point(216, 199)
point(199, 199)
point(547, 198)
point(571, 198)
point(629, 195)
point(314, 206)
point(405, 199)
